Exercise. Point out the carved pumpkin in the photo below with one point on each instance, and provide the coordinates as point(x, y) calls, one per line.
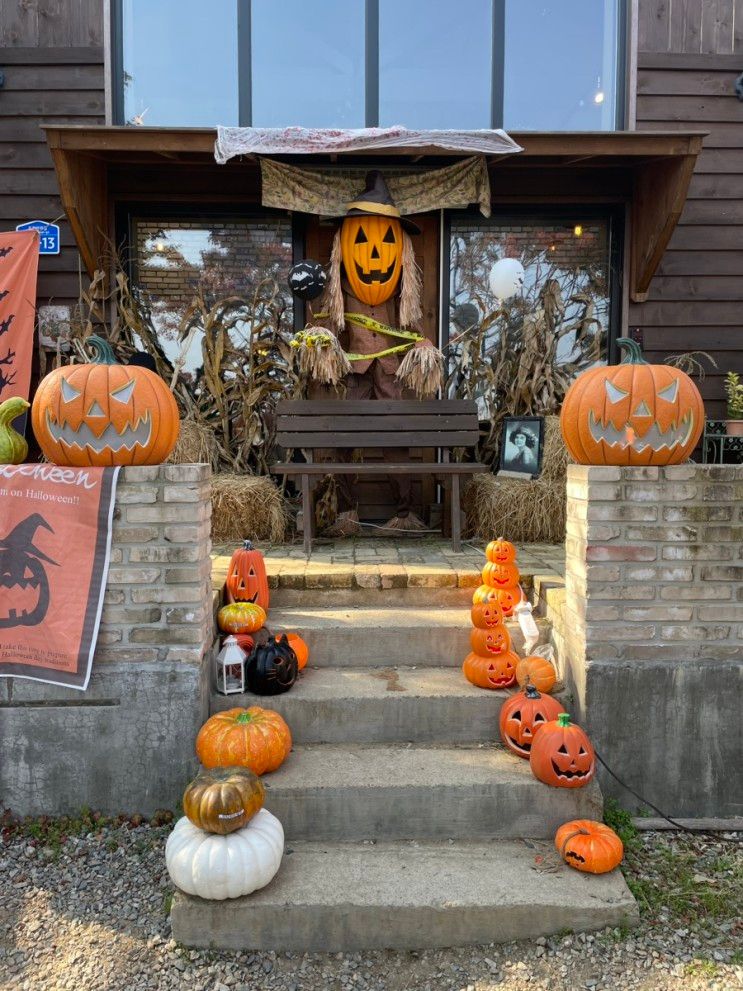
point(255, 738)
point(500, 575)
point(562, 755)
point(486, 615)
point(490, 642)
point(246, 576)
point(538, 671)
point(300, 648)
point(13, 447)
point(496, 671)
point(522, 715)
point(632, 413)
point(507, 598)
point(500, 551)
point(484, 593)
point(271, 668)
point(589, 846)
point(371, 249)
point(223, 799)
point(104, 413)
point(241, 617)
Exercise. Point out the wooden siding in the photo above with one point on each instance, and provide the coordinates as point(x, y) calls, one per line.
point(686, 77)
point(50, 85)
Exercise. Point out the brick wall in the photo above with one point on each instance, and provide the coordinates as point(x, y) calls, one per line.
point(652, 626)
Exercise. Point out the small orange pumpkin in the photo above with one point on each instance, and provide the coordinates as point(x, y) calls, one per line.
point(486, 615)
point(223, 799)
point(523, 715)
point(241, 617)
point(498, 671)
point(246, 576)
point(589, 846)
point(562, 755)
point(255, 738)
point(508, 598)
point(500, 551)
point(300, 648)
point(538, 671)
point(500, 575)
point(490, 642)
point(484, 593)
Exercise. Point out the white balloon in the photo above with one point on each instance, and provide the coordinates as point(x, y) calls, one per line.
point(506, 278)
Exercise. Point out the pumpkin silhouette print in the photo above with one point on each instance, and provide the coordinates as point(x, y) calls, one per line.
point(24, 585)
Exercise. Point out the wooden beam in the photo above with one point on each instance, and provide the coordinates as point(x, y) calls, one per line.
point(658, 199)
point(83, 191)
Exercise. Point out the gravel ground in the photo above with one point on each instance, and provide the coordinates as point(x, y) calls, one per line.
point(89, 912)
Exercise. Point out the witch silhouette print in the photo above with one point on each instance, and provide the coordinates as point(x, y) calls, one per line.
point(24, 584)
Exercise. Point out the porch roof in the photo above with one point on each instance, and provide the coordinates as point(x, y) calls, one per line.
point(648, 170)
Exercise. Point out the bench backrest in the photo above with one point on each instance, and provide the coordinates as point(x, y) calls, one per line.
point(361, 423)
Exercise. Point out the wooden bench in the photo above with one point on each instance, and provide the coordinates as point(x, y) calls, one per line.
point(375, 425)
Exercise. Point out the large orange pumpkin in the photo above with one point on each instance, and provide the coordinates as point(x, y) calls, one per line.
point(589, 846)
point(633, 413)
point(371, 249)
point(538, 671)
point(246, 576)
point(498, 671)
point(523, 715)
point(255, 738)
point(486, 615)
point(223, 799)
point(562, 755)
point(500, 551)
point(500, 575)
point(104, 413)
point(490, 642)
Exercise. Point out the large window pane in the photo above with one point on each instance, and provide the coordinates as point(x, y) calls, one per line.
point(435, 60)
point(180, 63)
point(308, 63)
point(560, 65)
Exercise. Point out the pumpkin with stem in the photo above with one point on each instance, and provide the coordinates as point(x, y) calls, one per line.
point(271, 667)
point(486, 615)
point(223, 799)
point(500, 551)
point(104, 413)
point(246, 576)
point(241, 617)
point(633, 413)
point(498, 671)
point(589, 846)
point(13, 447)
point(538, 671)
point(523, 715)
point(255, 738)
point(562, 755)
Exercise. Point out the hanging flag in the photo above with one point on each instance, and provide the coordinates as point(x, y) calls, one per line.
point(19, 264)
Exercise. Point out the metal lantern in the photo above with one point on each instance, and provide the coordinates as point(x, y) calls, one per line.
point(231, 667)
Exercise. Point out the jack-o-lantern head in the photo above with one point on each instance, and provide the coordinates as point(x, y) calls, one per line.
point(562, 755)
point(486, 615)
point(632, 414)
point(507, 598)
point(246, 576)
point(523, 715)
point(500, 575)
point(489, 643)
point(104, 413)
point(494, 671)
point(500, 551)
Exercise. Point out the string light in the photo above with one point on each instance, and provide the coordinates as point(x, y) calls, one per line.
point(599, 97)
point(578, 230)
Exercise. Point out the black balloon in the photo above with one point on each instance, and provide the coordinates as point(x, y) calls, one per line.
point(271, 668)
point(307, 279)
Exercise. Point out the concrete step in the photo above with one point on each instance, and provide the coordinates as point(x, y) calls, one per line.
point(345, 636)
point(383, 705)
point(353, 792)
point(333, 897)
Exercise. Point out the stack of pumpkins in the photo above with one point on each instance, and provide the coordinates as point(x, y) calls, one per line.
point(272, 662)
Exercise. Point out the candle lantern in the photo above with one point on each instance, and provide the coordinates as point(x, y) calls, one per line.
point(231, 667)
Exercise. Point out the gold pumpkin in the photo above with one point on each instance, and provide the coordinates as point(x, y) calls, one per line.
point(371, 249)
point(223, 799)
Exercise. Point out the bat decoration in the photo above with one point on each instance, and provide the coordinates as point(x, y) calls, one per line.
point(5, 324)
point(8, 359)
point(3, 294)
point(5, 251)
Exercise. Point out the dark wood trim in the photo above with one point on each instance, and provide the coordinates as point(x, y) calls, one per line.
point(52, 56)
point(672, 60)
point(377, 468)
point(83, 191)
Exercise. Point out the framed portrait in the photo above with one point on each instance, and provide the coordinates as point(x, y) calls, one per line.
point(522, 443)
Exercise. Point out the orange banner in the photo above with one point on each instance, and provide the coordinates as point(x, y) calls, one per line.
point(55, 545)
point(19, 265)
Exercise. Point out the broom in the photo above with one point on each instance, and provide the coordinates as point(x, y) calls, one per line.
point(319, 356)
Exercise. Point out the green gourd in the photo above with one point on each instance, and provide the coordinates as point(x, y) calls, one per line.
point(13, 447)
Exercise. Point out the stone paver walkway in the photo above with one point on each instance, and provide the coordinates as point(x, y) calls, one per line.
point(378, 563)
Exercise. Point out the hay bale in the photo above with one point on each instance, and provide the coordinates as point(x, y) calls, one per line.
point(247, 506)
point(524, 512)
point(196, 444)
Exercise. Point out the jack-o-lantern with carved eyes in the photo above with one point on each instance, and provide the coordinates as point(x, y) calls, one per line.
point(507, 598)
point(562, 755)
point(246, 576)
point(371, 250)
point(490, 642)
point(494, 671)
point(486, 615)
point(104, 413)
point(500, 551)
point(500, 575)
point(633, 413)
point(523, 715)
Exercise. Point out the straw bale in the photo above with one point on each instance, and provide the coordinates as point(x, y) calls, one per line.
point(247, 506)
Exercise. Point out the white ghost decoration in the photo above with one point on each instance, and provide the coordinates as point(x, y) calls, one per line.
point(506, 278)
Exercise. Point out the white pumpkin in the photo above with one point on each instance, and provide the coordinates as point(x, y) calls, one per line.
point(218, 867)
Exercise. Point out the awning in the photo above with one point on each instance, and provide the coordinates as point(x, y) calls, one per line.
point(649, 171)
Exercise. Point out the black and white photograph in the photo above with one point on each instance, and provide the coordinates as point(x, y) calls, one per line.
point(521, 445)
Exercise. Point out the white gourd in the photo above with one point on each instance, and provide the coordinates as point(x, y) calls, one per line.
point(218, 867)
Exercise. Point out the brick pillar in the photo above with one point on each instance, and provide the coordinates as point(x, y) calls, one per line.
point(127, 743)
point(653, 629)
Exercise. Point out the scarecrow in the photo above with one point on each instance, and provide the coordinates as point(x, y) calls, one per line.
point(372, 258)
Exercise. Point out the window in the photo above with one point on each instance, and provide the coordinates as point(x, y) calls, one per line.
point(176, 258)
point(521, 64)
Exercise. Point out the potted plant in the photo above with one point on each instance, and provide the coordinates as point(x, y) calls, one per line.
point(734, 393)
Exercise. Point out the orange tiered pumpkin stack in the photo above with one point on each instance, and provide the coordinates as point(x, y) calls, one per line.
point(500, 577)
point(492, 662)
